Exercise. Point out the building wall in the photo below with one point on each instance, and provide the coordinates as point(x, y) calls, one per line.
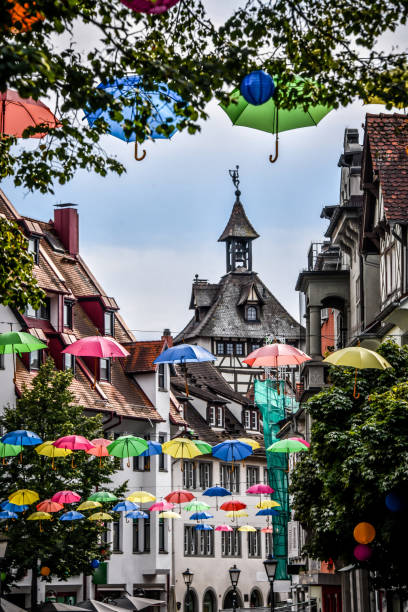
point(7, 392)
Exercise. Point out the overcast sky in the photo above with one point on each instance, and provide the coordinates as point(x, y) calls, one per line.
point(146, 234)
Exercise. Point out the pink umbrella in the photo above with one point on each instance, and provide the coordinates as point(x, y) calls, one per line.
point(99, 448)
point(275, 355)
point(267, 530)
point(223, 528)
point(73, 443)
point(66, 497)
point(99, 347)
point(149, 6)
point(161, 506)
point(305, 442)
point(260, 489)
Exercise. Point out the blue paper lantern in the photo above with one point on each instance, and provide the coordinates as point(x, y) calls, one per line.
point(95, 563)
point(395, 502)
point(257, 87)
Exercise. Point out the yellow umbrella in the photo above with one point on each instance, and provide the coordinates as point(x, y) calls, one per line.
point(169, 515)
point(39, 516)
point(252, 443)
point(181, 448)
point(267, 503)
point(89, 505)
point(23, 497)
point(246, 528)
point(236, 513)
point(358, 358)
point(141, 497)
point(48, 450)
point(100, 516)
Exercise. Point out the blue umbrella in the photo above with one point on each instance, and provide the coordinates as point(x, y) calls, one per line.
point(21, 437)
point(137, 514)
point(198, 516)
point(268, 512)
point(6, 514)
point(131, 88)
point(71, 516)
point(232, 450)
point(124, 506)
point(217, 492)
point(153, 448)
point(202, 527)
point(185, 353)
point(6, 505)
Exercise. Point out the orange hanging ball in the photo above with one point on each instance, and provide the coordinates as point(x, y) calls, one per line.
point(45, 571)
point(364, 533)
point(22, 16)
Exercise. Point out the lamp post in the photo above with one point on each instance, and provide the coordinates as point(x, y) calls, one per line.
point(3, 549)
point(188, 579)
point(234, 573)
point(270, 565)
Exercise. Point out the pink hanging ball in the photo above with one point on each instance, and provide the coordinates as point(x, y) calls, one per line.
point(362, 552)
point(152, 7)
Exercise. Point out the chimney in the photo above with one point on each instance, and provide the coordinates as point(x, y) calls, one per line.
point(67, 227)
point(167, 337)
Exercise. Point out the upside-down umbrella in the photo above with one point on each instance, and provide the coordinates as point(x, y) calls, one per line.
point(288, 445)
point(21, 437)
point(169, 514)
point(161, 103)
point(358, 358)
point(127, 446)
point(161, 506)
point(231, 451)
point(267, 503)
point(89, 505)
point(183, 354)
point(203, 527)
point(72, 443)
point(153, 448)
point(66, 497)
point(224, 528)
point(246, 528)
point(196, 506)
point(141, 497)
point(8, 450)
point(268, 117)
point(49, 506)
point(181, 448)
point(39, 516)
point(71, 516)
point(125, 506)
point(137, 514)
point(217, 492)
point(203, 447)
point(6, 505)
point(49, 450)
point(99, 448)
point(100, 516)
point(16, 115)
point(252, 443)
point(23, 497)
point(102, 496)
point(233, 504)
point(151, 7)
point(200, 516)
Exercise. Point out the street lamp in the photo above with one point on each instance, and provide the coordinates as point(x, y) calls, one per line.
point(270, 565)
point(3, 549)
point(234, 573)
point(188, 579)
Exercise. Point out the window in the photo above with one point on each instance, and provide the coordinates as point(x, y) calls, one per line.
point(104, 369)
point(220, 416)
point(109, 323)
point(268, 544)
point(220, 348)
point(141, 464)
point(35, 360)
point(205, 475)
point(239, 348)
point(43, 312)
point(255, 346)
point(162, 535)
point(254, 420)
point(230, 477)
point(67, 314)
point(69, 362)
point(2, 365)
point(198, 543)
point(229, 348)
point(189, 475)
point(265, 476)
point(146, 533)
point(34, 248)
point(211, 416)
point(231, 543)
point(247, 419)
point(116, 536)
point(161, 376)
point(254, 543)
point(390, 270)
point(251, 313)
point(252, 475)
point(162, 457)
point(251, 420)
point(135, 536)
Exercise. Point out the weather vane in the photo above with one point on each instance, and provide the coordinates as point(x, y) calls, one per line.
point(234, 174)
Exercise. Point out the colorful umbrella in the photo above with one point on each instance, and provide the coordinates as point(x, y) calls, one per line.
point(267, 530)
point(8, 514)
point(73, 442)
point(181, 448)
point(303, 441)
point(268, 512)
point(233, 504)
point(151, 7)
point(49, 450)
point(6, 505)
point(161, 103)
point(89, 505)
point(232, 450)
point(137, 514)
point(196, 506)
point(21, 437)
point(268, 117)
point(23, 497)
point(39, 516)
point(234, 514)
point(160, 506)
point(153, 448)
point(202, 527)
point(100, 516)
point(22, 17)
point(224, 528)
point(8, 450)
point(287, 446)
point(99, 448)
point(203, 447)
point(16, 342)
point(127, 446)
point(102, 496)
point(179, 497)
point(252, 443)
point(49, 506)
point(267, 503)
point(16, 115)
point(200, 516)
point(169, 514)
point(125, 506)
point(246, 528)
point(260, 489)
point(358, 358)
point(141, 497)
point(66, 497)
point(217, 492)
point(183, 354)
point(71, 516)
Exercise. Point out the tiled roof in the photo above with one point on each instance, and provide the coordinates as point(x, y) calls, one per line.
point(238, 225)
point(175, 416)
point(142, 355)
point(387, 139)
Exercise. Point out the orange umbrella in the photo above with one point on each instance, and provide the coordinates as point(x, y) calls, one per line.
point(100, 449)
point(49, 506)
point(18, 114)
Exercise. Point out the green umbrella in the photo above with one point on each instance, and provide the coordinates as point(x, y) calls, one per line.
point(19, 342)
point(287, 446)
point(102, 496)
point(269, 118)
point(127, 446)
point(203, 447)
point(9, 450)
point(196, 506)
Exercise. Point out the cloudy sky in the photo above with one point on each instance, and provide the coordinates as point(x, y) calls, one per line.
point(146, 234)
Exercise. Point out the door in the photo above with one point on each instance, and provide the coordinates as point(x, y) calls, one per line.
point(331, 597)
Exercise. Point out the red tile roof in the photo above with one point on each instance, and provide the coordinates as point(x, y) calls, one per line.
point(142, 355)
point(387, 139)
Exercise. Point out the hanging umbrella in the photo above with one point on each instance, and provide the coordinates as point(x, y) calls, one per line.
point(16, 342)
point(100, 516)
point(99, 448)
point(66, 497)
point(358, 358)
point(8, 450)
point(6, 505)
point(137, 514)
point(99, 347)
point(71, 516)
point(21, 437)
point(232, 450)
point(160, 506)
point(7, 514)
point(223, 528)
point(89, 505)
point(102, 496)
point(234, 514)
point(246, 528)
point(260, 489)
point(203, 447)
point(16, 115)
point(252, 443)
point(141, 497)
point(216, 492)
point(151, 7)
point(233, 504)
point(183, 354)
point(125, 506)
point(179, 497)
point(268, 512)
point(196, 506)
point(268, 117)
point(200, 516)
point(267, 503)
point(202, 527)
point(23, 497)
point(127, 446)
point(73, 442)
point(131, 88)
point(303, 441)
point(169, 514)
point(181, 448)
point(49, 450)
point(287, 446)
point(39, 516)
point(267, 530)
point(153, 448)
point(49, 506)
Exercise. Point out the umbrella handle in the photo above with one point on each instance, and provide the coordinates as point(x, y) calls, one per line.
point(143, 154)
point(273, 158)
point(72, 463)
point(355, 394)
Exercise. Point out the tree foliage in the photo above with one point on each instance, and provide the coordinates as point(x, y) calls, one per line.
point(358, 454)
point(334, 45)
point(67, 548)
point(18, 287)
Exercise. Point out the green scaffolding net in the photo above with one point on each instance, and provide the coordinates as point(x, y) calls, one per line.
point(274, 407)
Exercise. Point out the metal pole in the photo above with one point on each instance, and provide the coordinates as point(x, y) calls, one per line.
point(234, 599)
point(188, 599)
point(272, 597)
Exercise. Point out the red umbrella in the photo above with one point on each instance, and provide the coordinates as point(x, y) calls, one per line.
point(49, 506)
point(66, 497)
point(275, 355)
point(73, 443)
point(18, 114)
point(149, 6)
point(99, 448)
point(232, 505)
point(179, 497)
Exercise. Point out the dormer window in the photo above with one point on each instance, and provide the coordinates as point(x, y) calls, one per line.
point(43, 312)
point(69, 362)
point(215, 416)
point(161, 377)
point(34, 248)
point(251, 420)
point(211, 416)
point(109, 323)
point(251, 313)
point(68, 314)
point(104, 370)
point(220, 416)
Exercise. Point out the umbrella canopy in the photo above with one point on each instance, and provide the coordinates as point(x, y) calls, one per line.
point(267, 530)
point(71, 516)
point(268, 512)
point(246, 528)
point(102, 496)
point(234, 514)
point(185, 353)
point(56, 606)
point(6, 505)
point(18, 114)
point(181, 448)
point(23, 497)
point(19, 342)
point(137, 514)
point(196, 506)
point(9, 450)
point(233, 504)
point(125, 506)
point(203, 447)
point(252, 443)
point(303, 441)
point(217, 492)
point(66, 497)
point(100, 516)
point(7, 606)
point(151, 7)
point(179, 497)
point(267, 503)
point(39, 516)
point(169, 514)
point(160, 506)
point(89, 505)
point(99, 447)
point(202, 527)
point(200, 516)
point(21, 437)
point(7, 514)
point(47, 449)
point(141, 497)
point(127, 446)
point(49, 506)
point(276, 355)
point(73, 443)
point(287, 446)
point(153, 448)
point(232, 450)
point(224, 528)
point(137, 603)
point(260, 489)
point(96, 346)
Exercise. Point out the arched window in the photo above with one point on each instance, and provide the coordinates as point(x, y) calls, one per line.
point(209, 601)
point(190, 601)
point(229, 600)
point(251, 313)
point(256, 599)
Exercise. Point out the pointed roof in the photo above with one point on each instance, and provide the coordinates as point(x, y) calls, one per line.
point(238, 225)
